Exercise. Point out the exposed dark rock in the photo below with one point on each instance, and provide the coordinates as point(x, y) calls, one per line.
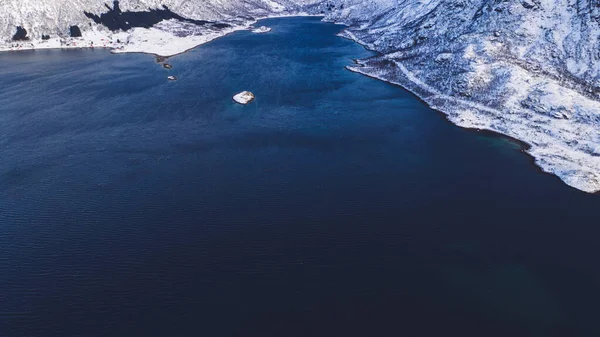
point(115, 19)
point(221, 25)
point(75, 31)
point(20, 35)
point(528, 4)
point(45, 37)
point(161, 59)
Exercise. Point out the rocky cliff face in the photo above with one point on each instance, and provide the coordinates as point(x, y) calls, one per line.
point(528, 69)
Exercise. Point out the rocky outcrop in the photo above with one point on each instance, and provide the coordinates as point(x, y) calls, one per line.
point(74, 31)
point(244, 97)
point(261, 30)
point(20, 35)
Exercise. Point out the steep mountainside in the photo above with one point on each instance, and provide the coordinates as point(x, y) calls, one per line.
point(528, 69)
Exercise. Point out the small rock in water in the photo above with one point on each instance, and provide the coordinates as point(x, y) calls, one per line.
point(171, 78)
point(167, 66)
point(244, 97)
point(261, 29)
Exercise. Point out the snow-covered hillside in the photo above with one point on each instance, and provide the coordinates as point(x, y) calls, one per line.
point(48, 23)
point(528, 69)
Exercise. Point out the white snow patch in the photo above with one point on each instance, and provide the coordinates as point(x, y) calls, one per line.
point(244, 97)
point(261, 30)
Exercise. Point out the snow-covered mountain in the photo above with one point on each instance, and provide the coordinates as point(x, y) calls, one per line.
point(54, 17)
point(163, 27)
point(528, 69)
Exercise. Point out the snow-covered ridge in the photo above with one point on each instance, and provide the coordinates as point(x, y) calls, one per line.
point(528, 69)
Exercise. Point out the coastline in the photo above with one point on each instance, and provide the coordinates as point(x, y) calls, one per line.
point(174, 45)
point(524, 146)
point(424, 95)
point(580, 178)
point(444, 105)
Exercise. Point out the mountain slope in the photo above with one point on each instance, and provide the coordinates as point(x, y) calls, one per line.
point(56, 16)
point(527, 69)
point(162, 27)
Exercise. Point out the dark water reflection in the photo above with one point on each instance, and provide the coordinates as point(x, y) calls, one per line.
point(334, 205)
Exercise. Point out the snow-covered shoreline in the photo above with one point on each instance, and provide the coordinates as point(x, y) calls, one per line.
point(470, 115)
point(495, 71)
point(160, 40)
point(140, 40)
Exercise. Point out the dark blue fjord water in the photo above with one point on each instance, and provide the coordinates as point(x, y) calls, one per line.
point(334, 205)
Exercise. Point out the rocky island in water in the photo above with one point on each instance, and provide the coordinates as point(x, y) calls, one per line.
point(243, 97)
point(527, 69)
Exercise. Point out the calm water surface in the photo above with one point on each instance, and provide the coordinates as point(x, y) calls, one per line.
point(333, 205)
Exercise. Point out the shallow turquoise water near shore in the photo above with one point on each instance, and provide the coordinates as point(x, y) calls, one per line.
point(334, 204)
